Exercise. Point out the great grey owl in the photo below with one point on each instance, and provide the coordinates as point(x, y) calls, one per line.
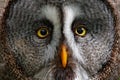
point(59, 40)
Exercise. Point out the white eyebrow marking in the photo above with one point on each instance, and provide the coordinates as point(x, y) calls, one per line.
point(70, 13)
point(51, 13)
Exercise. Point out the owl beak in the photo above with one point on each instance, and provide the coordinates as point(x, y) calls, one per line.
point(64, 55)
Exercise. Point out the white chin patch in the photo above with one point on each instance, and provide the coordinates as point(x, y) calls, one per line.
point(81, 74)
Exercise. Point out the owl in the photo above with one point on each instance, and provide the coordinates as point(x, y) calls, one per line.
point(59, 40)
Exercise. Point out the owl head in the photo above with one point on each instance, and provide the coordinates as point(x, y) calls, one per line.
point(59, 40)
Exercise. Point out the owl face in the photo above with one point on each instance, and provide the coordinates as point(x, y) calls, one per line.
point(60, 40)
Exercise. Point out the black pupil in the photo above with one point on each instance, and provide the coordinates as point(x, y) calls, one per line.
point(80, 30)
point(43, 32)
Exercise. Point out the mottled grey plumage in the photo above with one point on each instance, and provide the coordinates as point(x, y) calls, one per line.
point(91, 57)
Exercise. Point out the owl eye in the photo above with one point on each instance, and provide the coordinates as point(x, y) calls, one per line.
point(80, 30)
point(43, 32)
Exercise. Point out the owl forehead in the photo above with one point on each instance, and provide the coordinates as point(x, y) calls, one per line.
point(68, 14)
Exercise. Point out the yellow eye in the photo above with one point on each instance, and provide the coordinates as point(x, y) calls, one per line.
point(80, 30)
point(42, 32)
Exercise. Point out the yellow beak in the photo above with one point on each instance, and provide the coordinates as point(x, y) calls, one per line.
point(64, 56)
